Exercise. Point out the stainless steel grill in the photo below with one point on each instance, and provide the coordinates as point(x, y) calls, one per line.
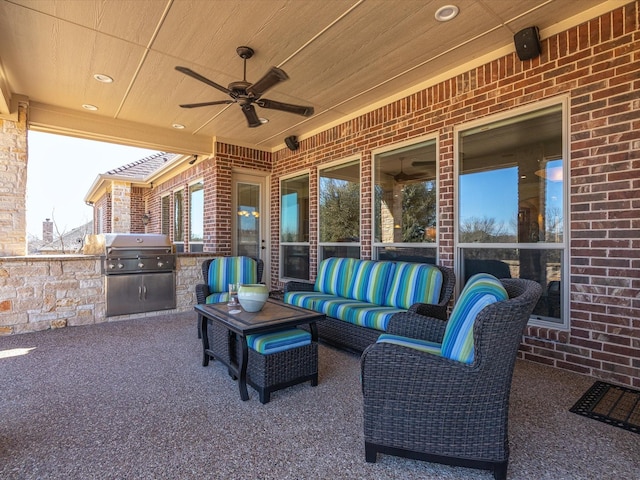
point(140, 273)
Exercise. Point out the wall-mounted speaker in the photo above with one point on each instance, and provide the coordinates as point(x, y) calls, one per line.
point(292, 142)
point(527, 43)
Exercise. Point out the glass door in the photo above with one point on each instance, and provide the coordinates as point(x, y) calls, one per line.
point(249, 218)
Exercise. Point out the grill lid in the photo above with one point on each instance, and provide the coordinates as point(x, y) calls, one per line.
point(135, 241)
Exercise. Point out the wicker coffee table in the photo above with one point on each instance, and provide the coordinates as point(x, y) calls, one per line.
point(224, 331)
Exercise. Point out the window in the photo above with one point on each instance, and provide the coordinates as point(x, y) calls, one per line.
point(166, 215)
point(405, 203)
point(511, 214)
point(178, 220)
point(196, 217)
point(294, 227)
point(339, 211)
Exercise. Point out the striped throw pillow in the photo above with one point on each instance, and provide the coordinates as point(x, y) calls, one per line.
point(370, 280)
point(226, 270)
point(413, 283)
point(334, 276)
point(481, 290)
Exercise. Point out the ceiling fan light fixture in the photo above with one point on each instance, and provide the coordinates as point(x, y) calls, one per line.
point(446, 13)
point(102, 78)
point(263, 120)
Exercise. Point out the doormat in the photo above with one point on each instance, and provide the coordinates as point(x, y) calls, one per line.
point(612, 404)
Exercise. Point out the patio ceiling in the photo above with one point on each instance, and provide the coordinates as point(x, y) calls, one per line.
point(342, 57)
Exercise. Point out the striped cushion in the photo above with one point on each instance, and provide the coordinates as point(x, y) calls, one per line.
point(217, 297)
point(481, 290)
point(413, 283)
point(416, 344)
point(372, 316)
point(370, 280)
point(334, 276)
point(306, 300)
point(274, 342)
point(226, 270)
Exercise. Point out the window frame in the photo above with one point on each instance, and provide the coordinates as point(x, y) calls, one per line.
point(563, 102)
point(282, 244)
point(178, 219)
point(332, 165)
point(199, 244)
point(376, 246)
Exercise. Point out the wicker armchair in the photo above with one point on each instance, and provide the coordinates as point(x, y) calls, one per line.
point(429, 407)
point(202, 289)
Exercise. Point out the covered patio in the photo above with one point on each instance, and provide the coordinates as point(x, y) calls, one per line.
point(111, 399)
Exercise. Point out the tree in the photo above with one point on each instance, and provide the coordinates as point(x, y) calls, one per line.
point(339, 210)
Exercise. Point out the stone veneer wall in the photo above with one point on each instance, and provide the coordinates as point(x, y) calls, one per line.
point(43, 292)
point(13, 184)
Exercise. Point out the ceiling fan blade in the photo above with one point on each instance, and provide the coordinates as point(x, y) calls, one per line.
point(252, 117)
point(206, 104)
point(286, 107)
point(197, 76)
point(271, 78)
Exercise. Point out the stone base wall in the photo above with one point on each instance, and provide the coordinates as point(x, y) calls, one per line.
point(45, 292)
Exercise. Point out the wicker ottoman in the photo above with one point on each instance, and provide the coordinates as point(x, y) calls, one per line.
point(268, 372)
point(291, 362)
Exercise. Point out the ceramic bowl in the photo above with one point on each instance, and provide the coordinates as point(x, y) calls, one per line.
point(252, 296)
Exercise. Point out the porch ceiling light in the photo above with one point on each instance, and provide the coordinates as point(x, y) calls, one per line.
point(178, 126)
point(101, 77)
point(446, 13)
point(88, 106)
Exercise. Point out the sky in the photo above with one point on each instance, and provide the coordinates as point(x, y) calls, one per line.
point(60, 172)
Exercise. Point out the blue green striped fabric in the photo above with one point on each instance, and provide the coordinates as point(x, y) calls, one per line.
point(217, 297)
point(481, 290)
point(413, 283)
point(226, 270)
point(306, 300)
point(370, 280)
point(274, 342)
point(415, 343)
point(334, 276)
point(372, 316)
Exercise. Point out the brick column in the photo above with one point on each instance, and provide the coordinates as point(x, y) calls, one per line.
point(13, 184)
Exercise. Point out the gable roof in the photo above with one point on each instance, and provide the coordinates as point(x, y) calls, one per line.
point(141, 169)
point(141, 173)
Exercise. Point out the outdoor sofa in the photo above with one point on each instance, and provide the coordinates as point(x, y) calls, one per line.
point(359, 297)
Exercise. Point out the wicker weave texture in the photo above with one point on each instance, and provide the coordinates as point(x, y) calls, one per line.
point(435, 406)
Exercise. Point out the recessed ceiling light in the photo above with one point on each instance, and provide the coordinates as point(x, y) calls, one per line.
point(103, 78)
point(263, 120)
point(88, 106)
point(446, 13)
point(179, 126)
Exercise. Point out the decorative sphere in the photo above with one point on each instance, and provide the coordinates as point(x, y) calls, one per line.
point(252, 296)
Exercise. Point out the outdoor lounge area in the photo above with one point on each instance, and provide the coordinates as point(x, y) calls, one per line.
point(130, 399)
point(476, 136)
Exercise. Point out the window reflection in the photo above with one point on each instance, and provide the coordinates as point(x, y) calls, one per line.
point(405, 202)
point(511, 193)
point(294, 227)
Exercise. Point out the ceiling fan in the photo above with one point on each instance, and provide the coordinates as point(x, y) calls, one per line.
point(247, 94)
point(401, 176)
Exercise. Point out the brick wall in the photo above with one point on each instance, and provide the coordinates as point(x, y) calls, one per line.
point(597, 66)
